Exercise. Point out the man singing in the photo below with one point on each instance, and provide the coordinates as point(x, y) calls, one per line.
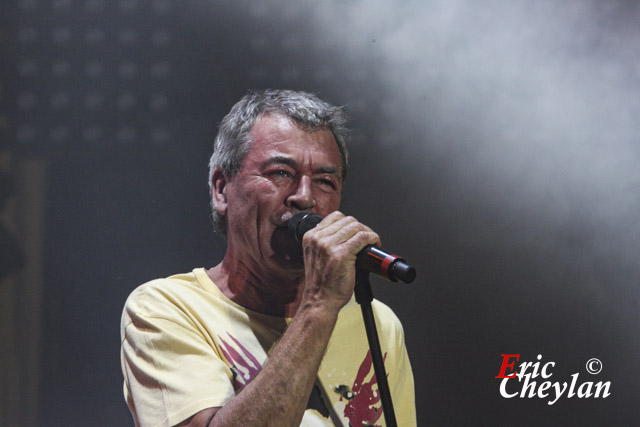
point(271, 335)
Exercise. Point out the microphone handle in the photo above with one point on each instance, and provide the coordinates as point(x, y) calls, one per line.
point(387, 265)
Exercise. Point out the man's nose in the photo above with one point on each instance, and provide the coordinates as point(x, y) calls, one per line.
point(302, 196)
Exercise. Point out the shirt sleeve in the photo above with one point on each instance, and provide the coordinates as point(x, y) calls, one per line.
point(171, 369)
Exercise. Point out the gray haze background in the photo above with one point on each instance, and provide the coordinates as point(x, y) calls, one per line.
point(495, 145)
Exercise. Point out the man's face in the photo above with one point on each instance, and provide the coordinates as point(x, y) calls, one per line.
point(286, 170)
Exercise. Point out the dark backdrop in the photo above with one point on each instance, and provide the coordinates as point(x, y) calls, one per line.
point(495, 145)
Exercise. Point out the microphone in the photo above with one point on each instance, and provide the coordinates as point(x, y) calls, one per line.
point(372, 259)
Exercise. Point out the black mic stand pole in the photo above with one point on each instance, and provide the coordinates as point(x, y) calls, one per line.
point(364, 296)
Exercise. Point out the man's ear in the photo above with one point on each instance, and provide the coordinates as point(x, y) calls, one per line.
point(219, 191)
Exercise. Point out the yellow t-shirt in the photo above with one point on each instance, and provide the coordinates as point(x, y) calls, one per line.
point(187, 347)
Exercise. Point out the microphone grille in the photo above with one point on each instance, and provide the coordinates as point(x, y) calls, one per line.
point(302, 222)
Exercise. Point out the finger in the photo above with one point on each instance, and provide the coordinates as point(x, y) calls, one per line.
point(334, 225)
point(344, 230)
point(329, 219)
point(362, 239)
point(349, 230)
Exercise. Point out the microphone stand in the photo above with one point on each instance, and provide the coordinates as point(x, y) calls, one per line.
point(364, 296)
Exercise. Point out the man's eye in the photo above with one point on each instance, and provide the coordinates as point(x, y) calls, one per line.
point(327, 182)
point(281, 173)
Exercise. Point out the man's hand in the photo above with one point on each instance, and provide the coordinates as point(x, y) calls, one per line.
point(330, 251)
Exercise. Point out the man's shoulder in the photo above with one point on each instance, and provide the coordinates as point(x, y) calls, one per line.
point(170, 291)
point(383, 310)
point(165, 285)
point(386, 319)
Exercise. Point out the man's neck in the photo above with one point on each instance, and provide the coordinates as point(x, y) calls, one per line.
point(272, 295)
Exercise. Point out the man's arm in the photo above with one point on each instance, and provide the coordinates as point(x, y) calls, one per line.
point(278, 395)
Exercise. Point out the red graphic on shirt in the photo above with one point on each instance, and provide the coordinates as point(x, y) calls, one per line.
point(363, 408)
point(245, 365)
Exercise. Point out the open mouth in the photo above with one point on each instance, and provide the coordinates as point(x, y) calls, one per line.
point(285, 246)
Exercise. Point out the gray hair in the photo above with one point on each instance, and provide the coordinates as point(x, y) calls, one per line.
point(233, 141)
